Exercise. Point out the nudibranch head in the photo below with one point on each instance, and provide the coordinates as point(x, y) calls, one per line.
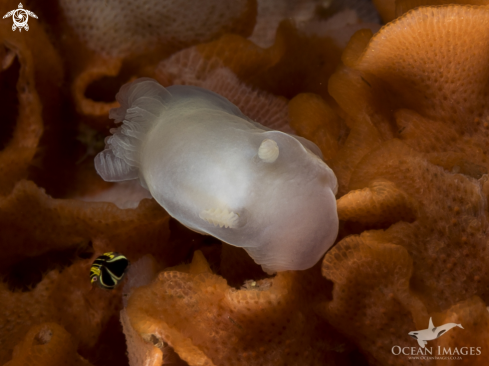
point(268, 151)
point(220, 173)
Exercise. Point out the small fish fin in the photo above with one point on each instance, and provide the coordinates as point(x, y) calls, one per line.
point(460, 326)
point(220, 217)
point(421, 343)
point(430, 325)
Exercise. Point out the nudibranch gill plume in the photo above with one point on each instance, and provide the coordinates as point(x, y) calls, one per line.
point(222, 174)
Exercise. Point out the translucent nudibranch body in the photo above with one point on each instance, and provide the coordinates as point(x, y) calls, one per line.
point(220, 173)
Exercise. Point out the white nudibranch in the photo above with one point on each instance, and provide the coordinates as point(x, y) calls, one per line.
point(220, 173)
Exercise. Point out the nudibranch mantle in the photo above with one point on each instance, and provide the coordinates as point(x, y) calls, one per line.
point(220, 173)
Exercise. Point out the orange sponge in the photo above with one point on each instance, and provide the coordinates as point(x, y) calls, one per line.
point(141, 34)
point(47, 344)
point(209, 323)
point(372, 302)
point(25, 63)
point(435, 97)
point(446, 240)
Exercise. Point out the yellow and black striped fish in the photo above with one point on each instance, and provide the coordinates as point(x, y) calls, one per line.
point(108, 270)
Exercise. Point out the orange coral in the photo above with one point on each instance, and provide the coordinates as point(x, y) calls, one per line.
point(275, 69)
point(426, 191)
point(153, 31)
point(35, 225)
point(439, 105)
point(375, 306)
point(354, 138)
point(83, 313)
point(25, 63)
point(372, 303)
point(140, 351)
point(410, 84)
point(209, 323)
point(403, 6)
point(240, 71)
point(47, 344)
point(447, 239)
point(386, 94)
point(313, 118)
point(473, 314)
point(386, 8)
point(381, 203)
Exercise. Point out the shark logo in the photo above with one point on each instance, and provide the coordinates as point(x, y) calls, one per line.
point(422, 336)
point(20, 17)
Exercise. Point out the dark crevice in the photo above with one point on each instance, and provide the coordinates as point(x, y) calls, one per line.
point(357, 358)
point(26, 274)
point(169, 354)
point(107, 349)
point(170, 357)
point(63, 164)
point(9, 103)
point(239, 269)
point(105, 88)
point(356, 228)
point(184, 242)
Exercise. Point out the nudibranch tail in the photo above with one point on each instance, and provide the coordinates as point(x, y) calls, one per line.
point(220, 217)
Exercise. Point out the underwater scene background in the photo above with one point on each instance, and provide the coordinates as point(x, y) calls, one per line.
point(393, 92)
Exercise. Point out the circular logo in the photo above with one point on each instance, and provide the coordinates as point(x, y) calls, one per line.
point(20, 18)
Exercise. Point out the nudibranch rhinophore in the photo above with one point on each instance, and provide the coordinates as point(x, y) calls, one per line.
point(222, 174)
